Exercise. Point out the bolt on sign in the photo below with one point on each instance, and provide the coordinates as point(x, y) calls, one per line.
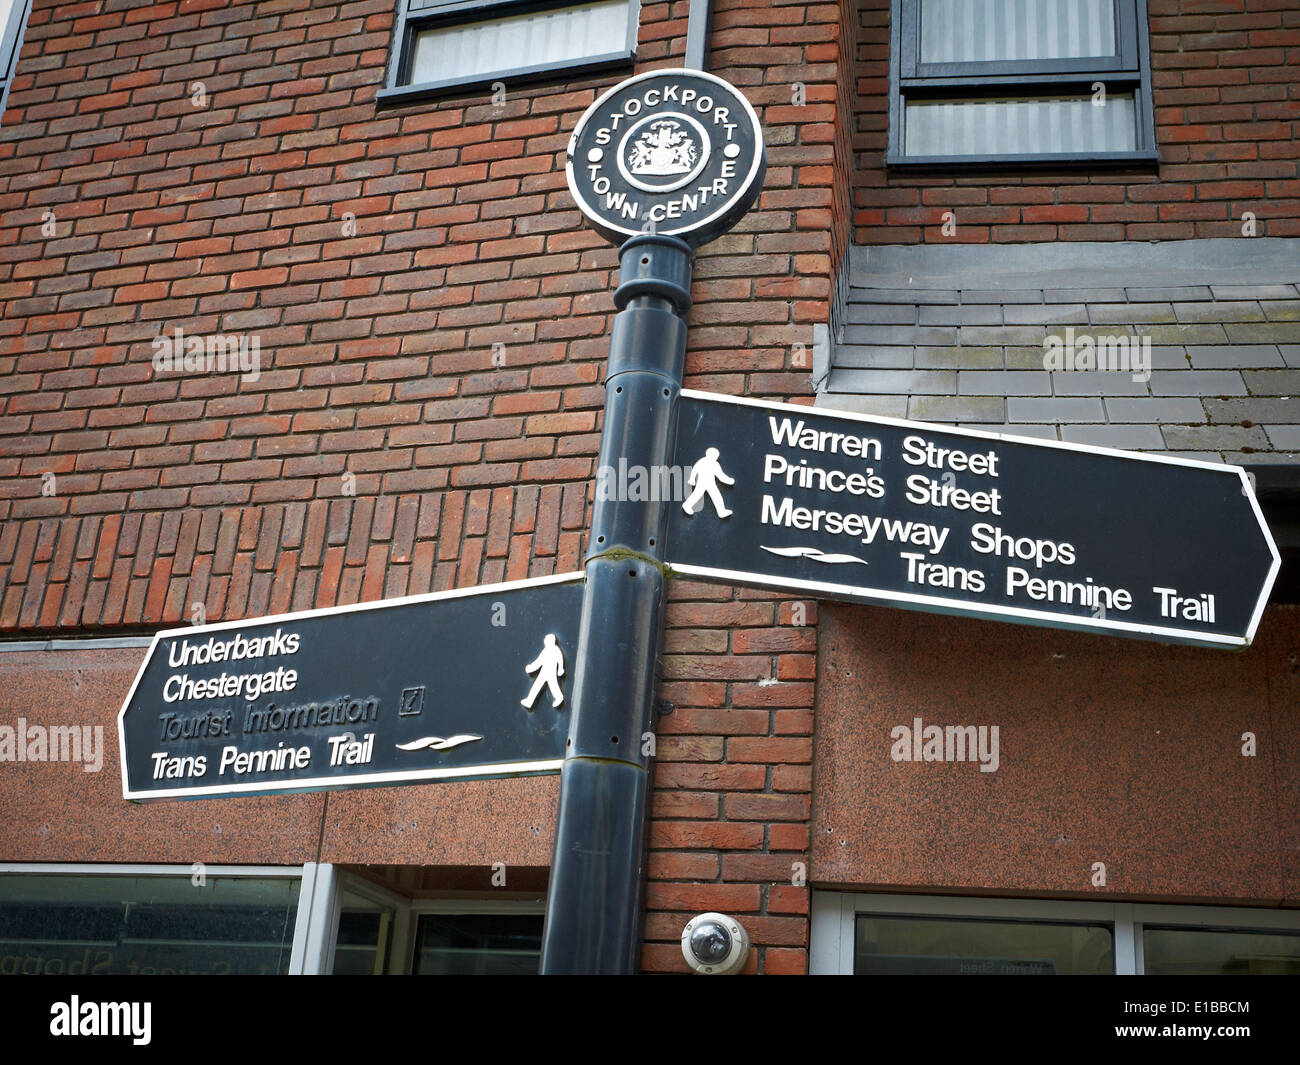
point(675, 152)
point(965, 522)
point(453, 685)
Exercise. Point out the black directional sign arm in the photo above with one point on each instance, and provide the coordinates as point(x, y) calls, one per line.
point(445, 686)
point(966, 522)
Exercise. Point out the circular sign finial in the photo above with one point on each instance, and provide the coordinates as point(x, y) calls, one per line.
point(677, 152)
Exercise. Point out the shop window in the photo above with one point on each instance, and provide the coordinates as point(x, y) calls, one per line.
point(478, 944)
point(188, 922)
point(454, 45)
point(1025, 81)
point(855, 933)
point(916, 946)
point(1215, 952)
point(365, 936)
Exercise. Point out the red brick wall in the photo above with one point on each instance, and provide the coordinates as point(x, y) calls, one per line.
point(1226, 92)
point(379, 255)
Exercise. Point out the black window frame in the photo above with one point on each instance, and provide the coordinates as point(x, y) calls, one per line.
point(397, 88)
point(1129, 71)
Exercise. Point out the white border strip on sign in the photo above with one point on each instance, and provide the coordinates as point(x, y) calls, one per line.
point(936, 604)
point(1082, 624)
point(759, 149)
point(315, 783)
point(495, 769)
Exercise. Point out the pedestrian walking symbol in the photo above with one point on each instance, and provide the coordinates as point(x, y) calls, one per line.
point(549, 667)
point(704, 478)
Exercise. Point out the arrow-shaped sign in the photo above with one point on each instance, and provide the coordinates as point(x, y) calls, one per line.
point(431, 687)
point(966, 522)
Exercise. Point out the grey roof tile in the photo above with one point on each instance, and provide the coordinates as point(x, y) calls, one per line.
point(1236, 311)
point(1024, 358)
point(1164, 357)
point(872, 357)
point(900, 334)
point(1046, 314)
point(1254, 458)
point(1284, 437)
point(1168, 295)
point(880, 313)
point(1172, 410)
point(1004, 383)
point(1131, 313)
point(1266, 409)
point(1253, 292)
point(1001, 295)
point(901, 295)
point(1214, 437)
point(1223, 356)
point(894, 382)
point(1272, 382)
point(1037, 432)
point(953, 409)
point(1055, 409)
point(1084, 295)
point(1201, 333)
point(1197, 383)
point(1097, 383)
point(1002, 335)
point(1281, 310)
point(959, 358)
point(1265, 333)
point(974, 314)
point(881, 406)
point(1127, 437)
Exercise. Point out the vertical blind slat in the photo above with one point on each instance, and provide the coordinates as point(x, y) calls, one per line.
point(987, 31)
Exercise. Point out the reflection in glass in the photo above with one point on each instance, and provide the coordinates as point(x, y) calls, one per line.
point(364, 937)
point(555, 36)
point(1204, 951)
point(981, 31)
point(967, 947)
point(90, 925)
point(478, 944)
point(1062, 125)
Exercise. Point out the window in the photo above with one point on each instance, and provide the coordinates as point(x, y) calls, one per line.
point(369, 927)
point(1026, 81)
point(902, 934)
point(445, 45)
point(478, 944)
point(916, 946)
point(147, 920)
point(11, 24)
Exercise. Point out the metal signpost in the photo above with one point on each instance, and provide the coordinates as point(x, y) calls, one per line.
point(662, 162)
point(965, 522)
point(432, 687)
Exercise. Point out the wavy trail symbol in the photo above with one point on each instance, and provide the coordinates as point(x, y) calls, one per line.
point(437, 743)
point(815, 555)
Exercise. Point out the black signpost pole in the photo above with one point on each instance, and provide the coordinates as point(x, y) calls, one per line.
point(593, 904)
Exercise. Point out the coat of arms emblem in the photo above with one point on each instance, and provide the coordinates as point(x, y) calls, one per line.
point(664, 148)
